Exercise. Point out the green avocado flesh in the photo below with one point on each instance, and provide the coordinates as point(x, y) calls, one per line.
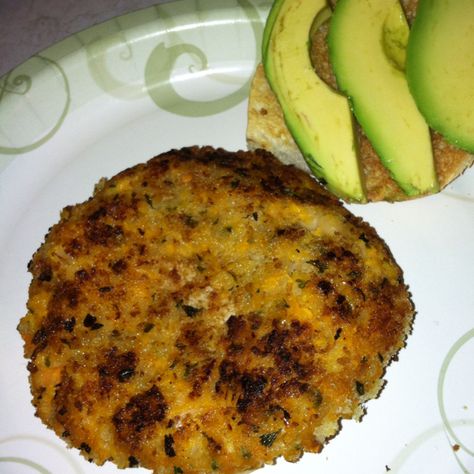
point(395, 35)
point(318, 117)
point(272, 16)
point(440, 68)
point(367, 51)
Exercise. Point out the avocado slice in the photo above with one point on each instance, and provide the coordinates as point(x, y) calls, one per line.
point(360, 36)
point(395, 35)
point(319, 118)
point(267, 31)
point(440, 68)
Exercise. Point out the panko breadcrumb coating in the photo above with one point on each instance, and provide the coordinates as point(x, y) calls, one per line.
point(209, 311)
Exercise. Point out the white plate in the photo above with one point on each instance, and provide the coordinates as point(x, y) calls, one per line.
point(178, 74)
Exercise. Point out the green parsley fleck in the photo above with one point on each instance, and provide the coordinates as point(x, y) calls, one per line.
point(268, 439)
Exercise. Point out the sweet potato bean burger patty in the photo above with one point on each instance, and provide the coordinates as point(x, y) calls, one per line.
point(209, 311)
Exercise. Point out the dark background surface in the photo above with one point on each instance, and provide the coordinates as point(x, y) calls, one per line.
point(29, 26)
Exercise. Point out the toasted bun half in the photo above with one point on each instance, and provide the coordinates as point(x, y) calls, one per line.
point(266, 129)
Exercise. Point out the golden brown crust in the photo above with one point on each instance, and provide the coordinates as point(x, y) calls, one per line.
point(266, 129)
point(209, 311)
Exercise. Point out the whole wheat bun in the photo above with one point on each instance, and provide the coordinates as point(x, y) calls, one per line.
point(266, 129)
